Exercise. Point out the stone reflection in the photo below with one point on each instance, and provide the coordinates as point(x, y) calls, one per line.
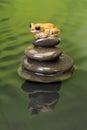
point(43, 97)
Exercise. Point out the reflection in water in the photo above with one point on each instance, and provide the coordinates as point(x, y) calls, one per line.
point(43, 97)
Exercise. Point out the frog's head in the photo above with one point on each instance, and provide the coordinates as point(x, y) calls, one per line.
point(35, 28)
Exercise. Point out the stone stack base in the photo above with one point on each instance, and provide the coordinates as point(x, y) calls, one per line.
point(45, 62)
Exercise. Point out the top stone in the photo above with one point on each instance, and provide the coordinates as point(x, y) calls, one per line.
point(47, 42)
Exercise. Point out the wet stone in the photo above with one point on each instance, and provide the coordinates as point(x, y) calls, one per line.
point(49, 67)
point(47, 42)
point(43, 54)
point(26, 74)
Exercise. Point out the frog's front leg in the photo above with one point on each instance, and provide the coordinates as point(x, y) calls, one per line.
point(42, 34)
point(39, 35)
point(36, 36)
point(54, 32)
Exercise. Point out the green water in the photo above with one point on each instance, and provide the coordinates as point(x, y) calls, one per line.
point(71, 17)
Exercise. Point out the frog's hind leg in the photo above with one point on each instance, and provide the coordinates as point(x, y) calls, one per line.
point(54, 32)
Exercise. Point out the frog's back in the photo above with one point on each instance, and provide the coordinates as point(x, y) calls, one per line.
point(46, 25)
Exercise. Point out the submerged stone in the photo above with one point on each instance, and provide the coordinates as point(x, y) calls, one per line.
point(43, 54)
point(47, 42)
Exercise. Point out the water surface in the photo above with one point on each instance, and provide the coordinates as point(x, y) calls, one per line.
point(71, 17)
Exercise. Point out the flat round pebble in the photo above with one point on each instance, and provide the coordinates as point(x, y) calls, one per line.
point(43, 54)
point(23, 73)
point(49, 67)
point(47, 42)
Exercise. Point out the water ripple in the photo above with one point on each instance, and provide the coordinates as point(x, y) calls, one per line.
point(4, 19)
point(4, 2)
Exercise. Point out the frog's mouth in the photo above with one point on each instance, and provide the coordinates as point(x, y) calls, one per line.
point(34, 32)
point(37, 33)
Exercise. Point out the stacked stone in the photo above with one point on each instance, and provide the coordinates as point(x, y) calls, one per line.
point(45, 62)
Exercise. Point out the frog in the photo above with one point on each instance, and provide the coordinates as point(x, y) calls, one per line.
point(43, 30)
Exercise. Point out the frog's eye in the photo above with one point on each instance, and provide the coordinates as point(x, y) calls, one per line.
point(37, 27)
point(30, 25)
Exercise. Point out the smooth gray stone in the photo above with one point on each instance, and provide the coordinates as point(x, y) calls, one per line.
point(49, 67)
point(43, 54)
point(25, 74)
point(46, 42)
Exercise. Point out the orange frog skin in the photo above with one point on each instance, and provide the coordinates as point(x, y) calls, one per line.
point(42, 30)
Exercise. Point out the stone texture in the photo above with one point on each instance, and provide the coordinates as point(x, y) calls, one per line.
point(43, 54)
point(45, 78)
point(45, 63)
point(47, 42)
point(61, 65)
